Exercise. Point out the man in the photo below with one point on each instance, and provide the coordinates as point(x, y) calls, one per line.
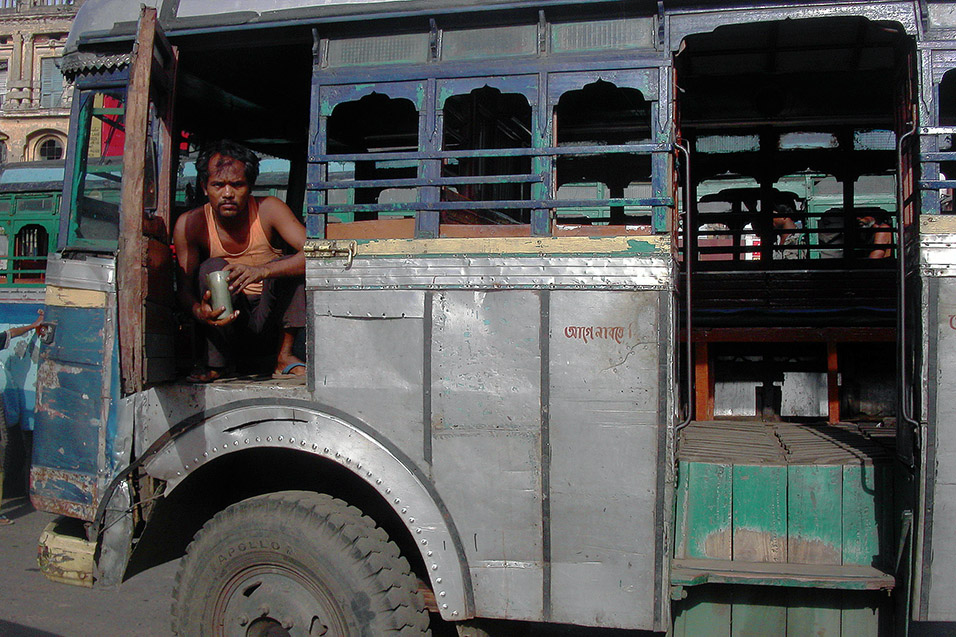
point(241, 235)
point(876, 235)
point(11, 403)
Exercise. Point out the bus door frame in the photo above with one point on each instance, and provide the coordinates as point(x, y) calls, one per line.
point(152, 81)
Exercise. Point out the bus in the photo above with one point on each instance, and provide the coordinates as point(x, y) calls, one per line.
point(620, 316)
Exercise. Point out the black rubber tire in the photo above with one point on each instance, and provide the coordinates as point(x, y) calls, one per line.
point(298, 560)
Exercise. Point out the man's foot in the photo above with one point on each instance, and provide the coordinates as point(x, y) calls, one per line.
point(292, 367)
point(5, 521)
point(206, 374)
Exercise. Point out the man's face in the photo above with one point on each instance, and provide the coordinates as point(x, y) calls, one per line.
point(866, 221)
point(227, 188)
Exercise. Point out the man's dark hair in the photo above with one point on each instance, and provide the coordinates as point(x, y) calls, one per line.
point(231, 149)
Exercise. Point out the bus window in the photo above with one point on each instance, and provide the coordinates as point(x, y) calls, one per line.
point(30, 247)
point(97, 171)
point(602, 114)
point(375, 123)
point(487, 119)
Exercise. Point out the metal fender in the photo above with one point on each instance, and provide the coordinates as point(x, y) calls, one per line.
point(342, 440)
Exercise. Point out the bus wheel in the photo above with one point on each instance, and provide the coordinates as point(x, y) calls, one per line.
point(295, 563)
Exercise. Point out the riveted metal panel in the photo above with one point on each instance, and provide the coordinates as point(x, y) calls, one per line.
point(313, 429)
point(485, 361)
point(939, 545)
point(486, 421)
point(605, 416)
point(492, 272)
point(371, 368)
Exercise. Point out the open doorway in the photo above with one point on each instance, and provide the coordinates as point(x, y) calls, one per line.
point(792, 127)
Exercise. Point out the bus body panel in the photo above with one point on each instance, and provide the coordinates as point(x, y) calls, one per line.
point(78, 445)
point(545, 380)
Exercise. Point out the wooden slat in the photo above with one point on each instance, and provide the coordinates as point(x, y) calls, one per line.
point(131, 245)
point(814, 520)
point(760, 513)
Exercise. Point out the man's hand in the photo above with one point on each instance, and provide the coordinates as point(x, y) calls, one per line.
point(242, 275)
point(204, 312)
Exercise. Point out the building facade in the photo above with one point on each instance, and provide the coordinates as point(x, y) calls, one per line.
point(34, 114)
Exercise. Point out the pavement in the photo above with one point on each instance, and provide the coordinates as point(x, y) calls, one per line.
point(33, 606)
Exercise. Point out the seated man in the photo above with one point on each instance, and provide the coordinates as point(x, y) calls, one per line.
point(241, 235)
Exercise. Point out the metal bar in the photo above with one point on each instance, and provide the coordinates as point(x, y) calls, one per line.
point(937, 184)
point(496, 152)
point(487, 205)
point(413, 181)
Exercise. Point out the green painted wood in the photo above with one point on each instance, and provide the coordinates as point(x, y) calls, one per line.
point(680, 509)
point(705, 613)
point(812, 612)
point(814, 516)
point(757, 612)
point(860, 621)
point(707, 511)
point(760, 513)
point(861, 516)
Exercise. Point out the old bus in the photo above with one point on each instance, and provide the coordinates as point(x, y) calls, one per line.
point(597, 335)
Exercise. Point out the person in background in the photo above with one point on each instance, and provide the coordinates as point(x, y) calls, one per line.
point(877, 235)
point(9, 407)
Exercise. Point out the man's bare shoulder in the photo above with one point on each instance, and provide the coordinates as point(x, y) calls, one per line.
point(191, 224)
point(273, 210)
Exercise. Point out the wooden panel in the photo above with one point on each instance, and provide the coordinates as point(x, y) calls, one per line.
point(703, 383)
point(707, 613)
point(814, 613)
point(757, 612)
point(815, 525)
point(760, 513)
point(861, 542)
point(706, 514)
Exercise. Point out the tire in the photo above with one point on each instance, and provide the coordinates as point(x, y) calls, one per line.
point(295, 563)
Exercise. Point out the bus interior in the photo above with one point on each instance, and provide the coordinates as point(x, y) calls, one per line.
point(792, 127)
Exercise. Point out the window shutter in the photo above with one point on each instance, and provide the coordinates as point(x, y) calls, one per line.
point(51, 83)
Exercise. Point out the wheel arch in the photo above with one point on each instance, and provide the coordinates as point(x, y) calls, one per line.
point(294, 444)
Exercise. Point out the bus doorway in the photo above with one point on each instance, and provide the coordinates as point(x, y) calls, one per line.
point(793, 248)
point(792, 127)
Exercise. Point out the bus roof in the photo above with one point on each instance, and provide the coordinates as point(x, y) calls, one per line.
point(107, 20)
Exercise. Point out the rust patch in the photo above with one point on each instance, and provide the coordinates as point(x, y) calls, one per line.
point(63, 492)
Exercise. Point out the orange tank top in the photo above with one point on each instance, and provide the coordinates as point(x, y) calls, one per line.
point(258, 250)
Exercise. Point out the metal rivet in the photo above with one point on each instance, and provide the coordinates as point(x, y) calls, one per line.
point(411, 520)
point(396, 501)
point(235, 443)
point(430, 553)
point(379, 481)
point(327, 450)
point(388, 490)
point(338, 455)
point(438, 580)
point(268, 438)
point(258, 439)
point(424, 542)
point(348, 460)
point(404, 509)
point(314, 447)
point(279, 439)
point(434, 567)
point(195, 460)
point(205, 454)
point(444, 605)
point(291, 441)
point(186, 467)
point(441, 594)
point(454, 613)
point(418, 530)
